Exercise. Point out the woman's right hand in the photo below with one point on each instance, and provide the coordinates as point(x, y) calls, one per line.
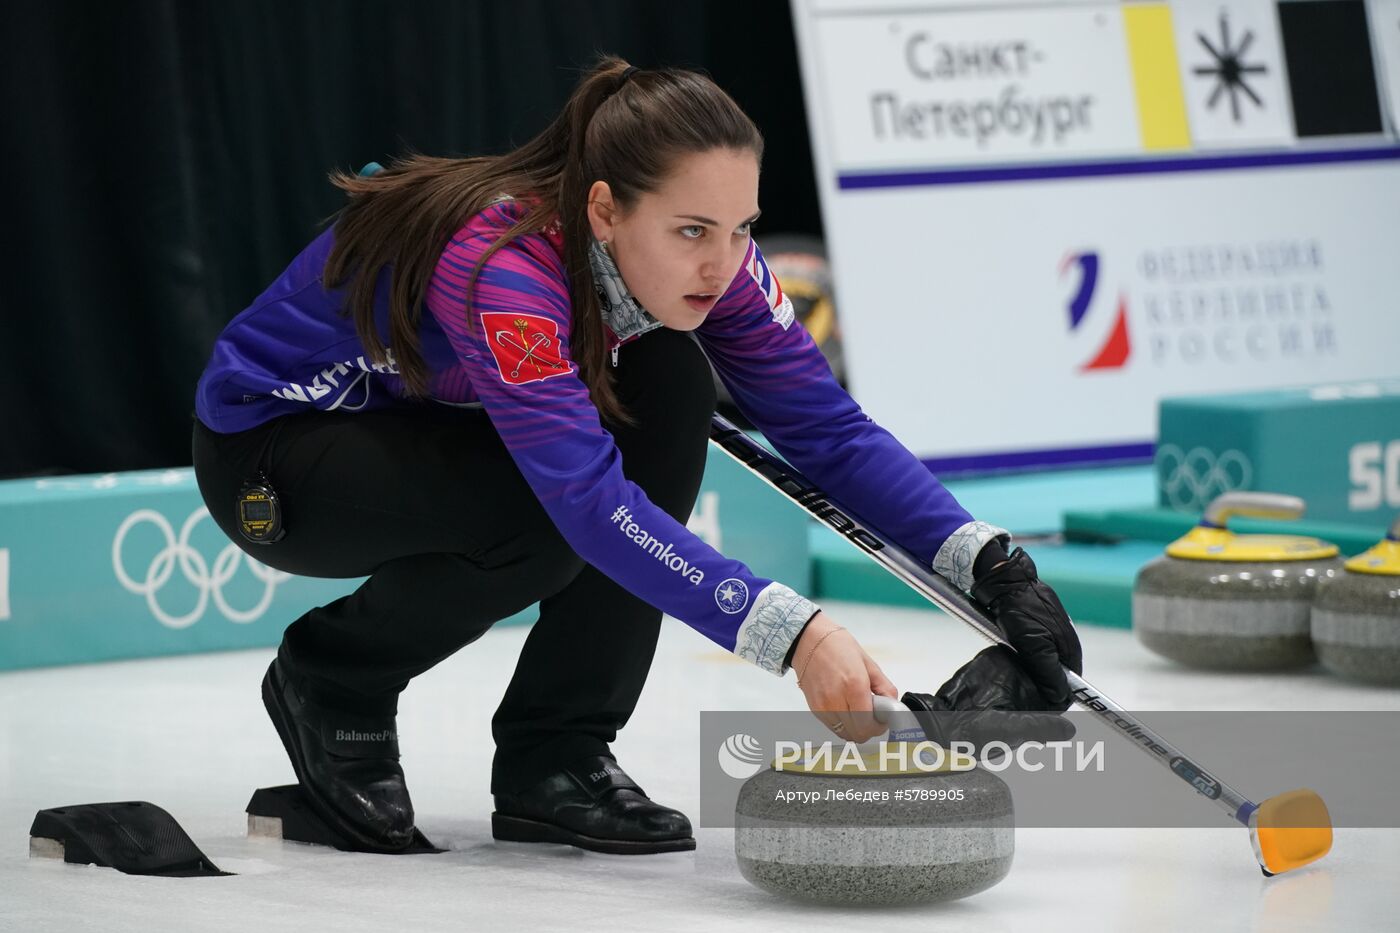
point(837, 677)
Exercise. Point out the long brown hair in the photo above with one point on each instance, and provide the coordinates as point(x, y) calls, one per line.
point(622, 128)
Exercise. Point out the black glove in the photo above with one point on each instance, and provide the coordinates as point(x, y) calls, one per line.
point(1034, 622)
point(988, 699)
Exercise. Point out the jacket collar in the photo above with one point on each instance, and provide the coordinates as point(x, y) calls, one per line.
point(622, 313)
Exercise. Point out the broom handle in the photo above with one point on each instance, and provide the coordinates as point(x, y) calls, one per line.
point(936, 589)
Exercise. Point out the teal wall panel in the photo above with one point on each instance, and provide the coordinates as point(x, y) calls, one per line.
point(1336, 446)
point(124, 565)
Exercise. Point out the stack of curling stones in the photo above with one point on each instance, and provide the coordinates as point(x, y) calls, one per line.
point(1230, 601)
point(1356, 615)
point(821, 830)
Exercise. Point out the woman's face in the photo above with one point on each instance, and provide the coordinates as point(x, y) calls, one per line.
point(679, 247)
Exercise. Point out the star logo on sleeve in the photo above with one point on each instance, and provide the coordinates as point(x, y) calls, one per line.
point(732, 596)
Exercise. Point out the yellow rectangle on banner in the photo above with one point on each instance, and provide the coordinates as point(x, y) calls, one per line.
point(1156, 76)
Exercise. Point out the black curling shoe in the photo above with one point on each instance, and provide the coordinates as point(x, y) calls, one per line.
point(594, 805)
point(347, 763)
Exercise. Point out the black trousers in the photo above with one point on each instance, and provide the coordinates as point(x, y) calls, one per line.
point(428, 503)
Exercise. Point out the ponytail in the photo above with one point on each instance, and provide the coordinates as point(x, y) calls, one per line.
point(621, 125)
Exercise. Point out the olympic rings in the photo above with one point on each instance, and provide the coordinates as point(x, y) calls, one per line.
point(1191, 480)
point(194, 568)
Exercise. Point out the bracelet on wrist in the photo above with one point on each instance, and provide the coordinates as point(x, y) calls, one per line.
point(808, 665)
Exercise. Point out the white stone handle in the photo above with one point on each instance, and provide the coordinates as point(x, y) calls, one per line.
point(886, 708)
point(894, 714)
point(1252, 505)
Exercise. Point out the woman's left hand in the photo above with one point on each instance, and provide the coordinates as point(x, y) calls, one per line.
point(1035, 623)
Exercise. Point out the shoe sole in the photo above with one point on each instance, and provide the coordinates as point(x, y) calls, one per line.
point(519, 829)
point(287, 733)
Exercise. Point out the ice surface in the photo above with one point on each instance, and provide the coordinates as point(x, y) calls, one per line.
point(190, 734)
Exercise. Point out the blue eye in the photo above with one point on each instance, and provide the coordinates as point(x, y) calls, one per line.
point(745, 230)
point(692, 227)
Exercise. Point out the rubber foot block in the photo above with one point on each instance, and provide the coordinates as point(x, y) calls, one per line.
point(285, 813)
point(135, 837)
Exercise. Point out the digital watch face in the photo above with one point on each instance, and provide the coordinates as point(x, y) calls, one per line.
point(259, 518)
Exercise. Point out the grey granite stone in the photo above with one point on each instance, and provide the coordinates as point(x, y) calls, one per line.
point(926, 847)
point(1356, 626)
point(1229, 615)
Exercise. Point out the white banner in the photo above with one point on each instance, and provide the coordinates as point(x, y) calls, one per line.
point(1001, 307)
point(948, 87)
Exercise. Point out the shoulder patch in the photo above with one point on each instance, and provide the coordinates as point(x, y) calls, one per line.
point(526, 346)
point(779, 305)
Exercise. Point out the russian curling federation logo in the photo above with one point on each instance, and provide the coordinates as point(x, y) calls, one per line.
point(732, 596)
point(741, 756)
point(1117, 346)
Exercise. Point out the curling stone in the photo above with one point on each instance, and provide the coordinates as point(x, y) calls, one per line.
point(1234, 602)
point(1356, 615)
point(933, 835)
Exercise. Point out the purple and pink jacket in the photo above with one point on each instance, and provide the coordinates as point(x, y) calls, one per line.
point(508, 351)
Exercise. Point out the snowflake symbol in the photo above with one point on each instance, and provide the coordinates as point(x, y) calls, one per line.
point(1229, 68)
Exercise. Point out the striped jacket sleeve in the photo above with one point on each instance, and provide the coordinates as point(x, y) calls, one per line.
point(513, 338)
point(782, 383)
